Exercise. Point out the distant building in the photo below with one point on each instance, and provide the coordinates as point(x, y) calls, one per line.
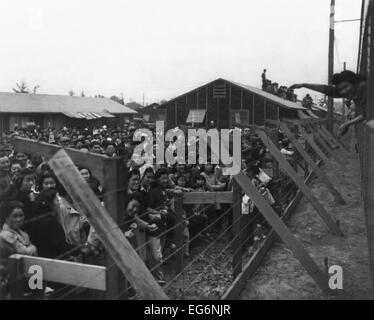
point(57, 111)
point(153, 112)
point(226, 103)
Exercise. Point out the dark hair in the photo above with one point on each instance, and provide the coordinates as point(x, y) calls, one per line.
point(10, 206)
point(257, 179)
point(14, 161)
point(106, 144)
point(148, 170)
point(347, 76)
point(20, 176)
point(44, 201)
point(181, 176)
point(95, 143)
point(254, 168)
point(161, 172)
point(93, 183)
point(132, 197)
point(134, 172)
point(43, 177)
point(18, 151)
point(285, 143)
point(198, 177)
point(85, 168)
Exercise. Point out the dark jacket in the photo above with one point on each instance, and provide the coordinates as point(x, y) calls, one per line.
point(49, 238)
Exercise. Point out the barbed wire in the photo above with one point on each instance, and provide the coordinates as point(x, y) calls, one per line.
point(157, 266)
point(164, 233)
point(195, 237)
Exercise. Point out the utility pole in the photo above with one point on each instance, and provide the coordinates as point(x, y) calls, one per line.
point(330, 103)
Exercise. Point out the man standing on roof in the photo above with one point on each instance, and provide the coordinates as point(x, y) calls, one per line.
point(348, 85)
point(264, 80)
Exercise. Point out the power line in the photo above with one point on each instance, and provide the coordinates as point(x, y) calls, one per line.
point(348, 20)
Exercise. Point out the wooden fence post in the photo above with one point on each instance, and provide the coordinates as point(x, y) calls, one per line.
point(115, 175)
point(237, 230)
point(17, 277)
point(178, 206)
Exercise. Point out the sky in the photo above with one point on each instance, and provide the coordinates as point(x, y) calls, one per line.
point(163, 48)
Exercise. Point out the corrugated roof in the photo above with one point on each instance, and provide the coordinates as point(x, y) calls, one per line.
point(43, 103)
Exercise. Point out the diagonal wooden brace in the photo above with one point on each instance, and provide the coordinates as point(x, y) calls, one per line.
point(321, 175)
point(285, 235)
point(298, 181)
point(111, 236)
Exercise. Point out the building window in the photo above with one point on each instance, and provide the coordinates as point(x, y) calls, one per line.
point(219, 90)
point(196, 116)
point(239, 117)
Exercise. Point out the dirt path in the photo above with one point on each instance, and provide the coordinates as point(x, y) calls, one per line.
point(281, 276)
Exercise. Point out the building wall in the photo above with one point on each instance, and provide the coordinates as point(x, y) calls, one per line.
point(222, 110)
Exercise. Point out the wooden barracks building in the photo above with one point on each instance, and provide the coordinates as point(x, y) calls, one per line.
point(57, 111)
point(227, 103)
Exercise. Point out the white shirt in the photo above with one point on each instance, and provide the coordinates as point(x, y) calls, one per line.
point(286, 152)
point(247, 205)
point(263, 177)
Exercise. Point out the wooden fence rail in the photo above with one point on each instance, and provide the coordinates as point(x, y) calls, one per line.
point(57, 271)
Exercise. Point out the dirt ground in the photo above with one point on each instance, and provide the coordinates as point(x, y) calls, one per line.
point(281, 276)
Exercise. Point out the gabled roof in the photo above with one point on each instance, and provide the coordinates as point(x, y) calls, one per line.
point(44, 103)
point(279, 101)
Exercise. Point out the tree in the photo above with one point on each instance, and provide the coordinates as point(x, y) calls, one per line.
point(100, 96)
point(117, 99)
point(82, 93)
point(163, 101)
point(71, 93)
point(21, 87)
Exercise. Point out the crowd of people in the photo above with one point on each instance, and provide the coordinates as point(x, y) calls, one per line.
point(274, 88)
point(39, 218)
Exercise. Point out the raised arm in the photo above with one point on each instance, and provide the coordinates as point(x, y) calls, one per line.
point(327, 90)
